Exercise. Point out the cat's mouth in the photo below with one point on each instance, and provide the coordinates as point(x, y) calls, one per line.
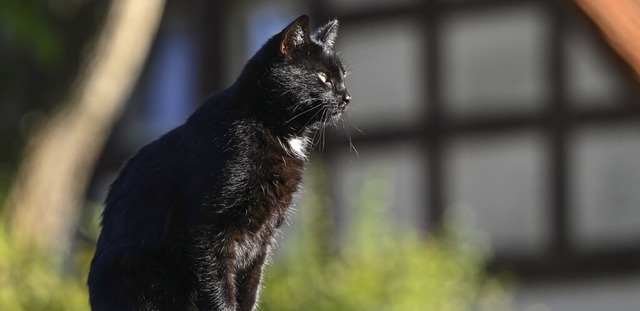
point(338, 110)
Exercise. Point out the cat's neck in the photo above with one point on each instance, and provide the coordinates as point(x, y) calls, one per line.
point(241, 105)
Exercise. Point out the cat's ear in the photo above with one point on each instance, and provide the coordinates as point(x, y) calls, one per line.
point(327, 34)
point(294, 35)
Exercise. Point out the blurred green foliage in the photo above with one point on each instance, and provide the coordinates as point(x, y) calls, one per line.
point(30, 281)
point(378, 267)
point(29, 27)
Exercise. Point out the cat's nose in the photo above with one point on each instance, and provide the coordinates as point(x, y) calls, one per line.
point(346, 98)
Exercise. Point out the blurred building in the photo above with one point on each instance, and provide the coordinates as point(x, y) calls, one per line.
point(512, 115)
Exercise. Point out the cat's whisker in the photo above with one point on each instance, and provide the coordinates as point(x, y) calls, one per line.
point(315, 141)
point(311, 118)
point(326, 117)
point(348, 132)
point(298, 115)
point(324, 138)
point(355, 126)
point(322, 133)
point(301, 104)
point(318, 133)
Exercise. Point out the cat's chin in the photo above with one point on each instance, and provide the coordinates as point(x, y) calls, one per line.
point(337, 112)
point(333, 115)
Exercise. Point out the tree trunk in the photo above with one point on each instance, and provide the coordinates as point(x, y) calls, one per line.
point(44, 200)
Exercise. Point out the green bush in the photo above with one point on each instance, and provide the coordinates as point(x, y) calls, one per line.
point(377, 268)
point(30, 281)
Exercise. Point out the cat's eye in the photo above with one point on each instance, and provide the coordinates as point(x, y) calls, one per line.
point(323, 77)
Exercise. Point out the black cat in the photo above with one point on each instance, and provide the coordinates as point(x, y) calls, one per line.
point(189, 222)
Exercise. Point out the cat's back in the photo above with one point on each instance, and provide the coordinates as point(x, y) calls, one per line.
point(145, 193)
point(148, 199)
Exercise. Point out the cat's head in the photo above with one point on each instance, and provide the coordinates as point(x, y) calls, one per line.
point(305, 79)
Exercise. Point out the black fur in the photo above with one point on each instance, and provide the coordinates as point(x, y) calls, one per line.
point(189, 222)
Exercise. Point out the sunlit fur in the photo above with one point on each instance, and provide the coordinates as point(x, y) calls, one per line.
point(190, 220)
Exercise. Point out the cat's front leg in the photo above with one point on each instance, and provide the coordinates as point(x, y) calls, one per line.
point(216, 288)
point(215, 268)
point(249, 282)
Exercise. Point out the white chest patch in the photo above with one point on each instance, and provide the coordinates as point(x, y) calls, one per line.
point(298, 146)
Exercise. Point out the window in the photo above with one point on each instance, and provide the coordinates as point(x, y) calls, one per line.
point(515, 110)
